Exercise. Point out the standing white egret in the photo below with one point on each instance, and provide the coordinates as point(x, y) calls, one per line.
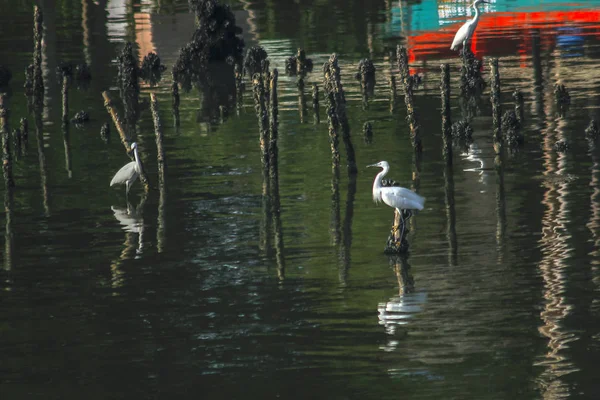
point(129, 172)
point(395, 196)
point(465, 33)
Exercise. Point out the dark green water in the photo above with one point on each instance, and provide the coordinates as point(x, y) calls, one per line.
point(183, 301)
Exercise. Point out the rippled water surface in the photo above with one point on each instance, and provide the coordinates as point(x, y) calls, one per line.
point(179, 296)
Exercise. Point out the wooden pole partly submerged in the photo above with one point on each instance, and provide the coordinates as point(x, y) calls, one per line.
point(6, 154)
point(160, 156)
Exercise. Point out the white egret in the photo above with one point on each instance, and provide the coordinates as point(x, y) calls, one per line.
point(395, 196)
point(129, 172)
point(466, 31)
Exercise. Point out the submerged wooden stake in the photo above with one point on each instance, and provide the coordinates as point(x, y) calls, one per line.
point(162, 164)
point(446, 113)
point(496, 108)
point(6, 154)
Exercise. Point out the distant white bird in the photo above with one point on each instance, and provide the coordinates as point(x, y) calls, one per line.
point(395, 196)
point(129, 172)
point(465, 33)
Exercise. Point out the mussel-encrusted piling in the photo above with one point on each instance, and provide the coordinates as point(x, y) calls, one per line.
point(334, 93)
point(175, 101)
point(6, 153)
point(37, 79)
point(496, 107)
point(105, 132)
point(151, 69)
point(408, 86)
point(66, 83)
point(262, 115)
point(471, 81)
point(124, 138)
point(158, 133)
point(446, 113)
point(315, 103)
point(239, 87)
point(274, 172)
point(162, 166)
point(129, 87)
point(24, 133)
point(333, 125)
point(366, 76)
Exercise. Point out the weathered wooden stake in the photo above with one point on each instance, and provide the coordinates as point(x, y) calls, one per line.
point(24, 134)
point(263, 118)
point(65, 98)
point(446, 113)
point(274, 172)
point(408, 86)
point(175, 95)
point(6, 154)
point(496, 107)
point(335, 94)
point(38, 81)
point(162, 165)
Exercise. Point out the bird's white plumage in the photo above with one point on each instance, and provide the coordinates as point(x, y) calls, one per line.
point(129, 173)
point(394, 196)
point(126, 173)
point(465, 33)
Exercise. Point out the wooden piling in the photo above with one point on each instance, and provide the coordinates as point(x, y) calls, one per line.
point(496, 106)
point(158, 133)
point(38, 81)
point(274, 172)
point(175, 101)
point(67, 146)
point(336, 96)
point(162, 165)
point(6, 154)
point(408, 86)
point(392, 93)
point(65, 98)
point(24, 133)
point(446, 113)
point(301, 99)
point(258, 91)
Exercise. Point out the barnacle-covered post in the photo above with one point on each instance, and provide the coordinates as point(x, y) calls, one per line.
point(38, 80)
point(162, 165)
point(496, 107)
point(6, 154)
point(408, 86)
point(446, 113)
point(335, 90)
point(274, 173)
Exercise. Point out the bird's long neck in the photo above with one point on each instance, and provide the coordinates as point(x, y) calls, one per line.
point(137, 157)
point(377, 185)
point(476, 8)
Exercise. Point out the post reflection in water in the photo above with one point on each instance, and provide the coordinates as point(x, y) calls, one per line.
point(67, 143)
point(8, 234)
point(555, 250)
point(346, 243)
point(131, 220)
point(500, 205)
point(39, 138)
point(396, 312)
point(594, 222)
point(450, 214)
point(334, 225)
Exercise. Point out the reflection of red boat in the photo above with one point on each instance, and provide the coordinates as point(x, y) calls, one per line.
point(505, 33)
